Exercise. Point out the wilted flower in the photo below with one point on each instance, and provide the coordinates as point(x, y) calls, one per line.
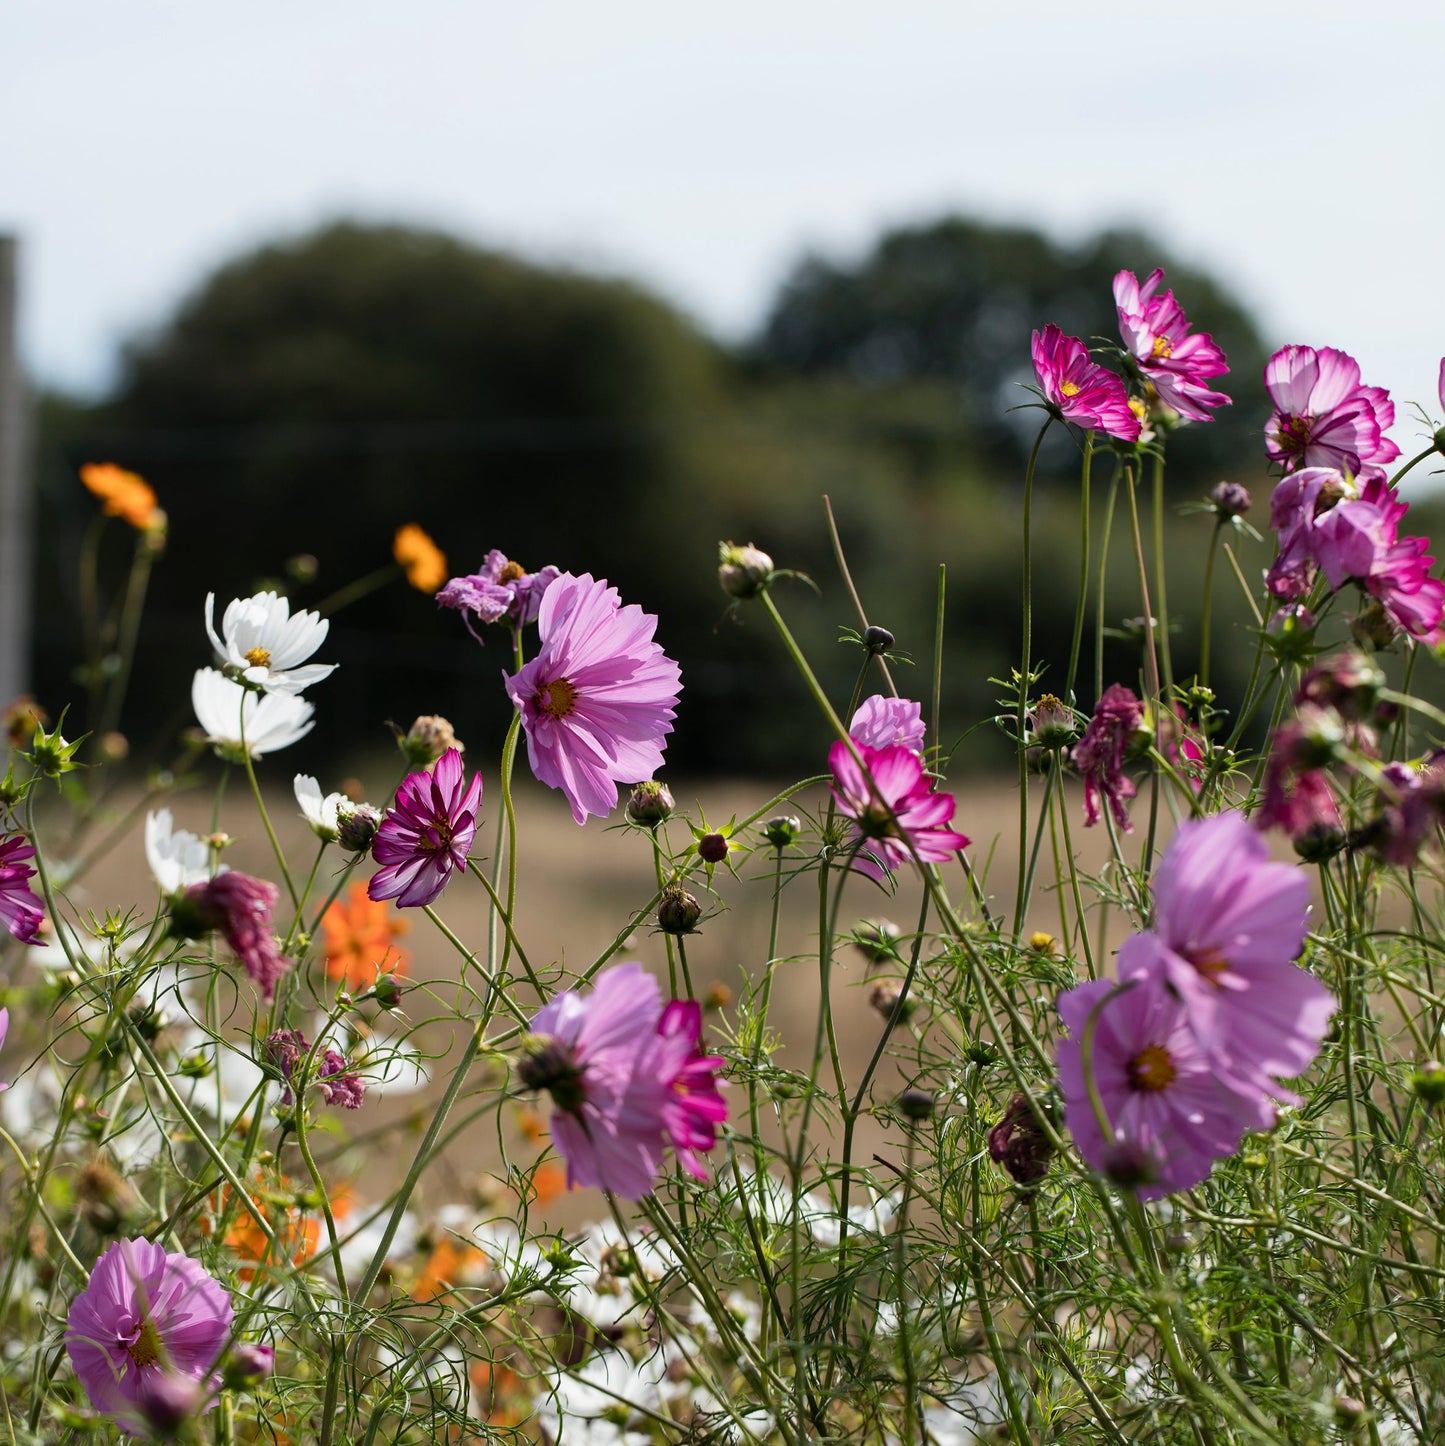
point(743, 572)
point(1018, 1143)
point(599, 697)
point(427, 739)
point(147, 1316)
point(888, 722)
point(502, 591)
point(335, 1076)
point(268, 647)
point(20, 910)
point(1081, 390)
point(1411, 808)
point(240, 908)
point(1323, 416)
point(318, 811)
point(426, 834)
point(230, 713)
point(1347, 682)
point(1176, 361)
point(177, 857)
point(425, 563)
point(1099, 754)
point(124, 494)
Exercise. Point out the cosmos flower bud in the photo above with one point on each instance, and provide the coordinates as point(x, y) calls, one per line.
point(877, 640)
point(1372, 627)
point(387, 991)
point(1230, 500)
point(1318, 842)
point(743, 572)
point(167, 1401)
point(1129, 1165)
point(1018, 1144)
point(712, 848)
point(356, 826)
point(1347, 682)
point(250, 1363)
point(915, 1105)
point(877, 940)
point(650, 804)
point(427, 739)
point(1428, 1082)
point(888, 1001)
point(781, 830)
point(106, 1199)
point(679, 911)
point(1052, 723)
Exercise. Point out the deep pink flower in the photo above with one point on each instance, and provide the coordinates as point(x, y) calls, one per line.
point(1082, 390)
point(1099, 754)
point(501, 591)
point(1177, 362)
point(335, 1076)
point(884, 722)
point(426, 834)
point(1170, 1111)
point(1228, 925)
point(20, 910)
point(1323, 416)
point(599, 697)
point(899, 816)
point(626, 1077)
point(146, 1317)
point(240, 907)
point(1412, 808)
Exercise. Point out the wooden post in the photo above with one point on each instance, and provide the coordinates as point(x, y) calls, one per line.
point(17, 541)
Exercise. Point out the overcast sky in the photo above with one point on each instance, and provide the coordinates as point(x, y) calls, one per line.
point(1295, 150)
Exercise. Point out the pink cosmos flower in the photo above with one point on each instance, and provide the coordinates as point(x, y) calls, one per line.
point(1082, 390)
point(426, 834)
point(145, 1318)
point(20, 911)
point(1228, 925)
point(335, 1076)
point(502, 590)
point(1171, 1112)
point(599, 697)
point(885, 722)
point(1176, 362)
point(1411, 810)
point(626, 1076)
point(1323, 416)
point(240, 907)
point(1099, 754)
point(899, 816)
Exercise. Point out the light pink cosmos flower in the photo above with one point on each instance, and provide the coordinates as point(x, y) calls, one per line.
point(426, 834)
point(1324, 416)
point(626, 1076)
point(887, 722)
point(502, 590)
point(1099, 754)
point(20, 911)
point(1170, 1111)
point(1228, 925)
point(598, 699)
point(1177, 362)
point(899, 816)
point(145, 1318)
point(1082, 390)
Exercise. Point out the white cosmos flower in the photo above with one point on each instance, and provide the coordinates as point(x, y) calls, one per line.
point(268, 646)
point(177, 856)
point(319, 812)
point(226, 709)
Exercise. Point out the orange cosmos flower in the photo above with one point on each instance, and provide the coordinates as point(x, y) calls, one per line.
point(424, 561)
point(359, 935)
point(125, 495)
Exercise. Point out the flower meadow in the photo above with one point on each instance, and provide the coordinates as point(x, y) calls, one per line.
point(1145, 1151)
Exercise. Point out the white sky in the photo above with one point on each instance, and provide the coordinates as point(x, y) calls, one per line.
point(699, 148)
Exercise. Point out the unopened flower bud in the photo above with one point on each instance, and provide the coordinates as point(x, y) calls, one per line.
point(1230, 500)
point(21, 719)
point(877, 940)
point(1318, 842)
point(250, 1363)
point(1373, 627)
point(196, 1065)
point(1043, 942)
point(356, 826)
point(782, 829)
point(888, 1001)
point(107, 1200)
point(1428, 1082)
point(915, 1105)
point(427, 739)
point(167, 1400)
point(1347, 682)
point(1052, 723)
point(877, 640)
point(1350, 1412)
point(712, 848)
point(743, 572)
point(651, 803)
point(387, 991)
point(1018, 1144)
point(679, 911)
point(1129, 1165)
point(302, 568)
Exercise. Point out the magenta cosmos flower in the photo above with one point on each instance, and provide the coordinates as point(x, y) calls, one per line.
point(146, 1317)
point(1324, 416)
point(20, 910)
point(502, 591)
point(426, 834)
point(1170, 1112)
point(1081, 390)
point(626, 1077)
point(1175, 361)
point(888, 722)
point(599, 697)
point(240, 908)
point(899, 816)
point(1228, 925)
point(1099, 755)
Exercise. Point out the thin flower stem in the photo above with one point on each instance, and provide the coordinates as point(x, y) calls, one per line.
point(1206, 607)
point(1160, 580)
point(352, 592)
point(129, 632)
point(1109, 501)
point(847, 577)
point(261, 809)
point(1082, 606)
point(1429, 451)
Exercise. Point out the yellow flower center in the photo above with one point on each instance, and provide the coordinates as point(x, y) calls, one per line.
point(558, 698)
point(1152, 1070)
point(258, 658)
point(1161, 348)
point(1069, 389)
point(146, 1349)
point(1210, 963)
point(511, 572)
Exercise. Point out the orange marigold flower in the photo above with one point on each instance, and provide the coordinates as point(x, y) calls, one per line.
point(424, 561)
point(125, 495)
point(359, 935)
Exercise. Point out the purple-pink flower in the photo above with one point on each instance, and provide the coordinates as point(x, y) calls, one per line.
point(1296, 795)
point(1324, 416)
point(1170, 1112)
point(1099, 754)
point(598, 699)
point(20, 910)
point(335, 1076)
point(887, 722)
point(626, 1077)
point(240, 907)
point(899, 816)
point(1228, 925)
point(1411, 809)
point(145, 1318)
point(426, 834)
point(502, 590)
point(1175, 361)
point(1081, 390)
